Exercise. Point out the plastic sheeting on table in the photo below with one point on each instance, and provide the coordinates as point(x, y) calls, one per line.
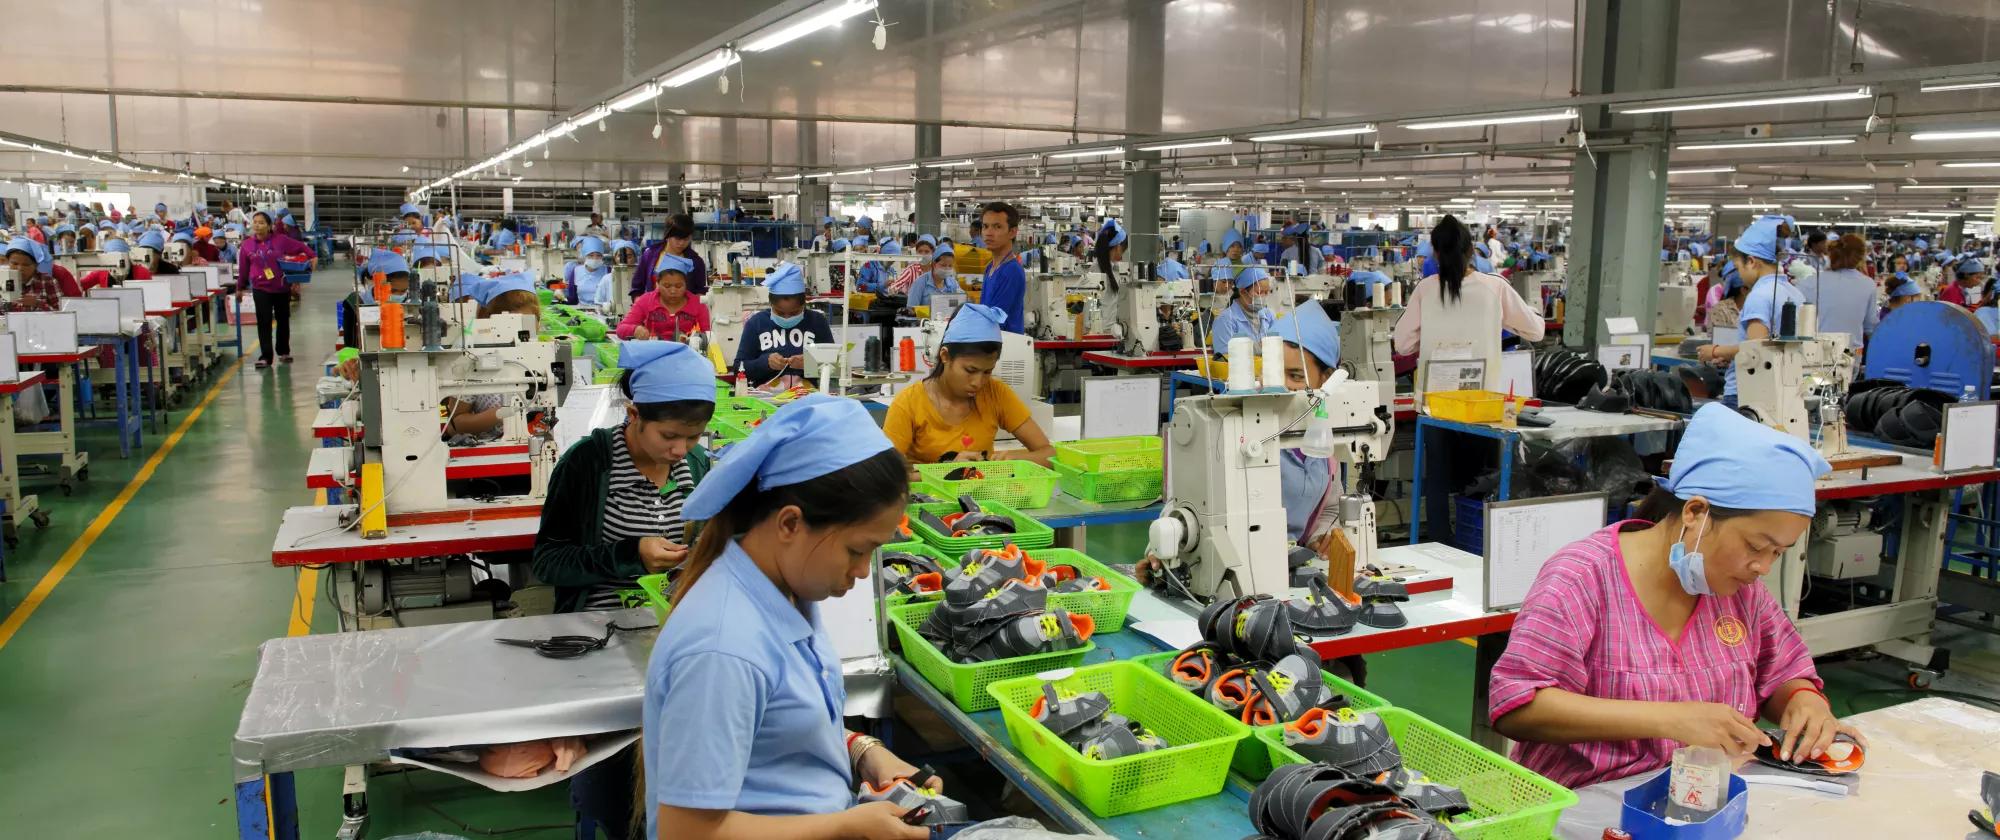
point(348, 698)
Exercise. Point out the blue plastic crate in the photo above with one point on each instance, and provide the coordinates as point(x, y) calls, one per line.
point(1468, 524)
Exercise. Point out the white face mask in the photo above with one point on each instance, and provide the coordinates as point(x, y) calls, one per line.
point(944, 275)
point(593, 263)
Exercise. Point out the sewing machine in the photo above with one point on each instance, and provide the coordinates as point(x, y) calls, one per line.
point(729, 305)
point(1064, 306)
point(1674, 313)
point(1223, 526)
point(1366, 346)
point(1789, 383)
point(1529, 284)
point(1156, 316)
point(118, 263)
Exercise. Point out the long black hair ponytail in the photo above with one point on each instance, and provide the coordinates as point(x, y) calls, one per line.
point(1451, 243)
point(1102, 251)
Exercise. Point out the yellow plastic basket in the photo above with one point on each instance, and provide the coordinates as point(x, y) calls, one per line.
point(1465, 406)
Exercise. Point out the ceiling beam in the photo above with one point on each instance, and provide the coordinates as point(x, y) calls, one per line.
point(246, 96)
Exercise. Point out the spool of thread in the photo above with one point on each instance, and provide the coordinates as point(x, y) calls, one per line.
point(1788, 320)
point(1395, 294)
point(1242, 370)
point(906, 355)
point(392, 326)
point(872, 356)
point(1808, 320)
point(1273, 372)
point(1378, 295)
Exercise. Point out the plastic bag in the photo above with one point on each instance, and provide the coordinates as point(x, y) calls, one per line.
point(31, 407)
point(1009, 828)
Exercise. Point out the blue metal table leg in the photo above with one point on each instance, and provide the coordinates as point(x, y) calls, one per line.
point(1417, 486)
point(1507, 443)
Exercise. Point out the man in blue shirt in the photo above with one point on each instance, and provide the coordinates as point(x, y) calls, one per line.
point(1006, 282)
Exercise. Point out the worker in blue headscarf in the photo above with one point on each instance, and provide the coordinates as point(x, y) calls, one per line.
point(743, 674)
point(1298, 247)
point(584, 279)
point(1755, 255)
point(1222, 272)
point(624, 252)
point(394, 269)
point(1312, 354)
point(64, 239)
point(1249, 314)
point(1371, 279)
point(826, 234)
point(939, 277)
point(1902, 289)
point(36, 287)
point(774, 341)
point(955, 413)
point(1738, 496)
point(1171, 268)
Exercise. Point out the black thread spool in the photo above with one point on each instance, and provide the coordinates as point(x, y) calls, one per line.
point(1788, 320)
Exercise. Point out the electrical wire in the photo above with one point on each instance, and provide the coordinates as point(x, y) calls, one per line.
point(572, 647)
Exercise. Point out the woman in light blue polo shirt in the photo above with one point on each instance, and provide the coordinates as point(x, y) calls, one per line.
point(1755, 255)
point(743, 734)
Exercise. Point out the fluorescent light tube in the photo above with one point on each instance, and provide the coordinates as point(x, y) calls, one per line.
point(1828, 206)
point(1761, 101)
point(1965, 134)
point(1956, 165)
point(897, 168)
point(1498, 119)
point(709, 66)
point(947, 164)
point(1187, 144)
point(1961, 83)
point(1701, 170)
point(1820, 187)
point(807, 22)
point(855, 172)
point(1311, 133)
point(1766, 144)
point(1083, 153)
point(639, 96)
point(1951, 187)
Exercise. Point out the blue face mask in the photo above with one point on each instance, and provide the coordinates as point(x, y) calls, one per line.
point(788, 322)
point(1687, 565)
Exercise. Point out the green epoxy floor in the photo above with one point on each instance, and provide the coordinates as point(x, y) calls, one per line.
point(121, 691)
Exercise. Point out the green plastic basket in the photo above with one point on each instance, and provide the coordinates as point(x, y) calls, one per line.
point(1029, 533)
point(1114, 453)
point(967, 684)
point(607, 376)
point(1106, 608)
point(1022, 484)
point(727, 431)
point(918, 547)
point(1509, 802)
point(606, 354)
point(1139, 485)
point(1195, 765)
point(1253, 757)
point(655, 587)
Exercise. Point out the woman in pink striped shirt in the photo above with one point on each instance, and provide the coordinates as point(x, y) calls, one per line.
point(1654, 632)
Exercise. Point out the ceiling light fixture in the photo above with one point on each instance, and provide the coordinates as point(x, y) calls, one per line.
point(1701, 170)
point(1951, 187)
point(1494, 119)
point(1766, 144)
point(720, 60)
point(639, 96)
point(897, 168)
point(1828, 206)
point(947, 164)
point(1187, 144)
point(855, 172)
point(1976, 164)
point(1710, 104)
point(1961, 83)
point(1313, 133)
point(1084, 153)
point(807, 22)
point(1963, 134)
point(1820, 187)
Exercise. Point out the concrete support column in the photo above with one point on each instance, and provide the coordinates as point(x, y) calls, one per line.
point(930, 138)
point(676, 190)
point(1614, 266)
point(1145, 73)
point(930, 184)
point(729, 154)
point(1954, 233)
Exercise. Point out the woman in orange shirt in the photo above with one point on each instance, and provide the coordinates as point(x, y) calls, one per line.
point(954, 414)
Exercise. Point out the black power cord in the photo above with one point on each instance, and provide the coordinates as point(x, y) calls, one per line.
point(571, 647)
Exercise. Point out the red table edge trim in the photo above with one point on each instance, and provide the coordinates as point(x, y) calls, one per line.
point(57, 358)
point(1914, 485)
point(389, 550)
point(1412, 636)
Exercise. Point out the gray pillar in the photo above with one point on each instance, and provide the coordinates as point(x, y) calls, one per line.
point(1954, 233)
point(1145, 50)
point(1614, 266)
point(930, 138)
point(676, 193)
point(728, 179)
point(812, 196)
point(1402, 220)
point(930, 184)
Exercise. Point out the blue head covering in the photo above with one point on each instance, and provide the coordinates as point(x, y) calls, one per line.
point(944, 253)
point(859, 239)
point(589, 245)
point(1735, 462)
point(623, 245)
point(156, 208)
point(505, 283)
point(786, 279)
point(889, 246)
point(106, 225)
point(927, 239)
point(811, 437)
point(1327, 251)
point(65, 227)
point(670, 262)
point(1113, 233)
point(837, 246)
point(1297, 229)
point(409, 209)
point(1204, 248)
point(1969, 265)
point(1760, 239)
point(1049, 239)
point(1260, 249)
point(385, 261)
point(183, 236)
point(233, 227)
point(1369, 278)
point(1905, 287)
point(1731, 279)
point(35, 251)
point(1307, 328)
point(865, 223)
point(116, 246)
point(473, 286)
point(1250, 274)
point(427, 251)
point(666, 371)
point(825, 220)
point(975, 323)
point(153, 239)
point(1231, 238)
